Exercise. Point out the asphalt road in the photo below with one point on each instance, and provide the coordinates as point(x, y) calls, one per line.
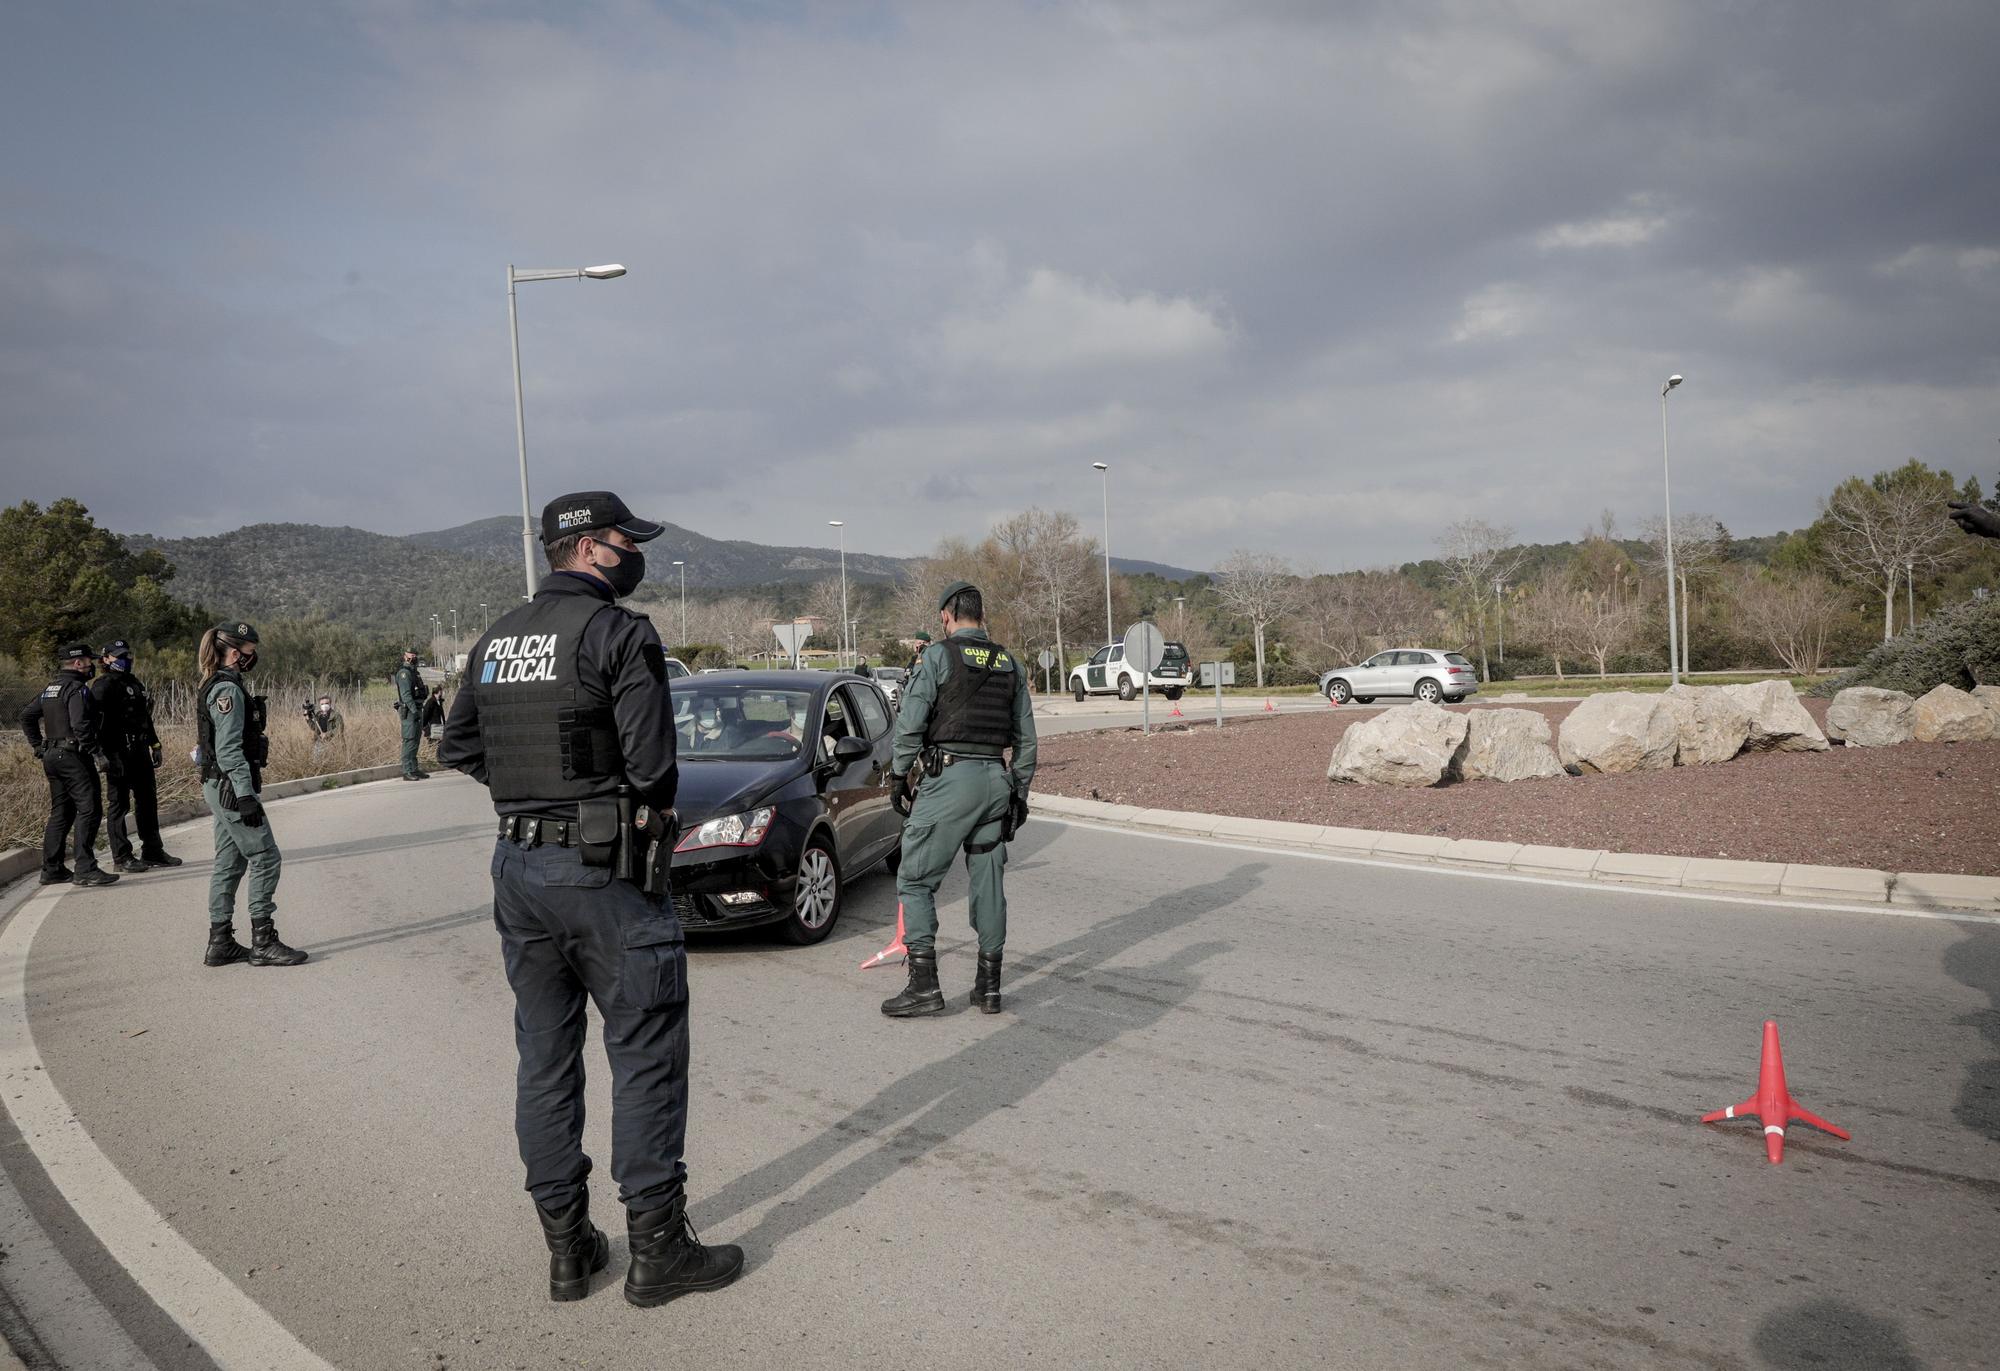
point(1243, 1110)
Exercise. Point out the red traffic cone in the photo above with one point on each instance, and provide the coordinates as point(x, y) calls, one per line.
point(1332, 703)
point(1268, 709)
point(1773, 1103)
point(1177, 712)
point(894, 949)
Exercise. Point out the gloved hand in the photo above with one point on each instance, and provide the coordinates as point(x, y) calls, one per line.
point(40, 752)
point(156, 756)
point(250, 809)
point(114, 765)
point(1975, 519)
point(899, 794)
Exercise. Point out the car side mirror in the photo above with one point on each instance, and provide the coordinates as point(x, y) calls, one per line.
point(850, 749)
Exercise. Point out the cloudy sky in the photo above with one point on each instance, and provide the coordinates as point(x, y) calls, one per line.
point(1315, 278)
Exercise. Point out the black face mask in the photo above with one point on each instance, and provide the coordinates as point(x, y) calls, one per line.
point(627, 572)
point(246, 659)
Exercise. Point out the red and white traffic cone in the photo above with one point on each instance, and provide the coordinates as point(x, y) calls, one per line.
point(1268, 708)
point(1773, 1103)
point(1177, 712)
point(896, 948)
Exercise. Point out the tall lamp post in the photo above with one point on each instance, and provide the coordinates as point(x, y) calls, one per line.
point(1180, 618)
point(1910, 586)
point(1500, 615)
point(484, 622)
point(603, 273)
point(842, 526)
point(1667, 471)
point(684, 604)
point(1104, 470)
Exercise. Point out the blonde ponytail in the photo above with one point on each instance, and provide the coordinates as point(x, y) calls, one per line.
point(208, 657)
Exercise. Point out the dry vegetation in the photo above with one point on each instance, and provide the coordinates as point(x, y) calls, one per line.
point(371, 736)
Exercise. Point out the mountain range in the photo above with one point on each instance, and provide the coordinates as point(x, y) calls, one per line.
point(381, 583)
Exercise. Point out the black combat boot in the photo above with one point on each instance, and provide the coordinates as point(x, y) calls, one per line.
point(668, 1260)
point(223, 947)
point(160, 858)
point(578, 1248)
point(921, 995)
point(97, 877)
point(986, 984)
point(132, 866)
point(266, 950)
point(62, 875)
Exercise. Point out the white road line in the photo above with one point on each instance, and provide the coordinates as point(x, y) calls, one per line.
point(232, 1328)
point(1606, 887)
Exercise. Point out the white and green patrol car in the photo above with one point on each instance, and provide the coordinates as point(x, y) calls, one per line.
point(1108, 671)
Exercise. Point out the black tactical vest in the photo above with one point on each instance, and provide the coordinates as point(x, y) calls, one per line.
point(256, 747)
point(543, 738)
point(126, 722)
point(55, 707)
point(976, 702)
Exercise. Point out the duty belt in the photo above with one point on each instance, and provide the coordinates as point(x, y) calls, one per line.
point(954, 758)
point(529, 831)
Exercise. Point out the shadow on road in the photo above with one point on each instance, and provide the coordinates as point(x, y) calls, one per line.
point(1829, 1335)
point(1976, 962)
point(1061, 1017)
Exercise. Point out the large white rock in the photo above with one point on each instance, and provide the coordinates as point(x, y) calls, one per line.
point(1414, 745)
point(1864, 716)
point(1712, 726)
point(1946, 714)
point(1507, 745)
point(1620, 731)
point(1778, 721)
point(1989, 697)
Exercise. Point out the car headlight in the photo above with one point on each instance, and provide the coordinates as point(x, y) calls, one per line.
point(731, 830)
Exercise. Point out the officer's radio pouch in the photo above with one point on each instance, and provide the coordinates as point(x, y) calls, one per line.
point(597, 830)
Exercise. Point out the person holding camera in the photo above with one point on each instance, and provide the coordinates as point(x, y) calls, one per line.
point(564, 715)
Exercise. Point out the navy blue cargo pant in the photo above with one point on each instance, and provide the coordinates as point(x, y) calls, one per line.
point(75, 809)
point(567, 931)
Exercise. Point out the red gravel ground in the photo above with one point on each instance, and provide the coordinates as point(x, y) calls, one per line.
point(1917, 807)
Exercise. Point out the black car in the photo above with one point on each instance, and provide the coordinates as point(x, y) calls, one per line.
point(784, 797)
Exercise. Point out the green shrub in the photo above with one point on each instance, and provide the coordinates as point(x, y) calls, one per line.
point(1958, 645)
point(1289, 674)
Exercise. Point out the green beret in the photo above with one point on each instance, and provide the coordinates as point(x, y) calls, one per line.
point(923, 637)
point(944, 600)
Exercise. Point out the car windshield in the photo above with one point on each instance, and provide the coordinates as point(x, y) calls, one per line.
point(1456, 660)
point(730, 723)
point(891, 673)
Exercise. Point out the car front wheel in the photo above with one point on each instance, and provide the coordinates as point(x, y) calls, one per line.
point(816, 898)
point(1338, 692)
point(1429, 692)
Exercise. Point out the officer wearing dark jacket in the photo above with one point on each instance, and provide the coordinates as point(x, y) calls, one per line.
point(61, 726)
point(131, 756)
point(564, 715)
point(411, 692)
point(964, 707)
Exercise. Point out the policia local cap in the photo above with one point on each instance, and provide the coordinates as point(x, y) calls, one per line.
point(567, 514)
point(75, 652)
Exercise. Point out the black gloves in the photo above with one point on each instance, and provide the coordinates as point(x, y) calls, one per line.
point(899, 794)
point(1975, 519)
point(250, 809)
point(156, 756)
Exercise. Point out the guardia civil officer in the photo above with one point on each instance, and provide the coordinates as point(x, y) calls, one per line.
point(411, 692)
point(131, 756)
point(563, 708)
point(61, 726)
point(232, 753)
point(965, 705)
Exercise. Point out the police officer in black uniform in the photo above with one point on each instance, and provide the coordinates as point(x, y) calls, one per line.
point(131, 756)
point(61, 726)
point(564, 716)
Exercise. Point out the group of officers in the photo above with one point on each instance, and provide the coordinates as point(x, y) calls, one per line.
point(564, 714)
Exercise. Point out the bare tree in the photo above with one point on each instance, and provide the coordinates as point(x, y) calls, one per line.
point(1261, 588)
point(1700, 544)
point(1603, 626)
point(1054, 559)
point(1349, 615)
point(1549, 614)
point(1894, 527)
point(1475, 555)
point(1795, 615)
point(739, 624)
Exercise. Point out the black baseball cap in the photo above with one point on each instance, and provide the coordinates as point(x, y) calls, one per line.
point(118, 647)
point(75, 652)
point(587, 509)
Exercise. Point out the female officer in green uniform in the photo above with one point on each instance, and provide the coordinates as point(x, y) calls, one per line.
point(232, 757)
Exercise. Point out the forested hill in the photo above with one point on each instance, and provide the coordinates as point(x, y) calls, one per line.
point(711, 562)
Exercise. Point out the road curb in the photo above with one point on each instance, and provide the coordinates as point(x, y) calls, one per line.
point(1847, 885)
point(17, 862)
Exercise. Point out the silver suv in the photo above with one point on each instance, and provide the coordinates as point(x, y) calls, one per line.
point(1426, 673)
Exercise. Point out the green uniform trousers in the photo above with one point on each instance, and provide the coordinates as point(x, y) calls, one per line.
point(964, 805)
point(413, 727)
point(240, 848)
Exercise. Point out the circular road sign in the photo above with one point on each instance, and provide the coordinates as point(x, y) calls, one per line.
point(1145, 645)
point(1046, 660)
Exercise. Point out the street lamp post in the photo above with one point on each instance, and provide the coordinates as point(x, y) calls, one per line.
point(484, 622)
point(842, 526)
point(1500, 615)
point(1104, 470)
point(603, 273)
point(1180, 618)
point(1910, 587)
point(1666, 469)
point(684, 604)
